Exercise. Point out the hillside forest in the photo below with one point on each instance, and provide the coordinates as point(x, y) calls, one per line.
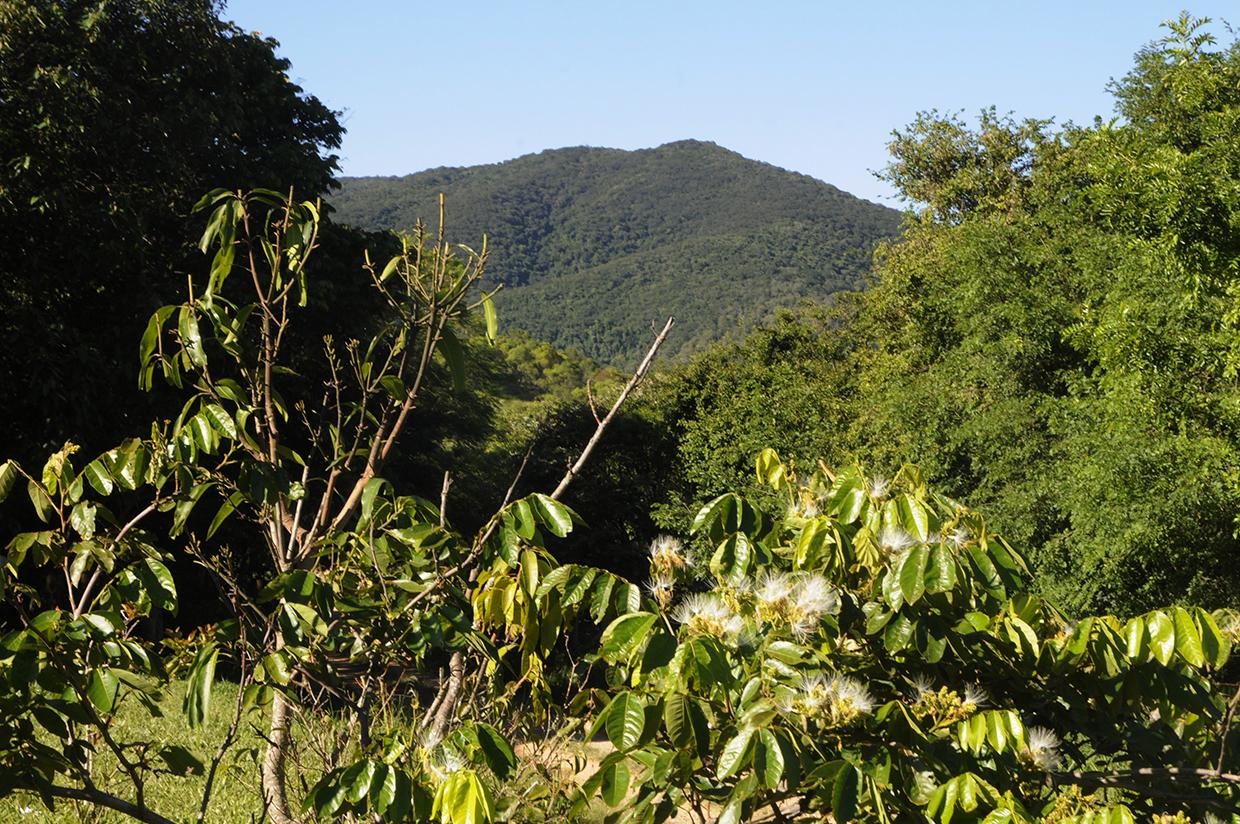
point(404, 499)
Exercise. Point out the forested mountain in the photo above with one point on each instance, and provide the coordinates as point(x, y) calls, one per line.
point(595, 245)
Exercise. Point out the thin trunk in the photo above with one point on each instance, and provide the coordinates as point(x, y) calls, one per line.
point(275, 796)
point(443, 715)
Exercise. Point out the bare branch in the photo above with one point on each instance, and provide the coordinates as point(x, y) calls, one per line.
point(112, 802)
point(615, 407)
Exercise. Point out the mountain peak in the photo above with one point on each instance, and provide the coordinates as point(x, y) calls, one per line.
point(595, 244)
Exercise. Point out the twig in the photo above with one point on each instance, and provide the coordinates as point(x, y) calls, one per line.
point(590, 399)
point(1226, 728)
point(615, 407)
point(443, 499)
point(112, 802)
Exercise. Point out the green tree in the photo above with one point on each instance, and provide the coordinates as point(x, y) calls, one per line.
point(336, 587)
point(868, 649)
point(114, 117)
point(1053, 338)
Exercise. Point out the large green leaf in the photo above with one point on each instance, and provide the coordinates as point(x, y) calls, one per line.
point(625, 635)
point(844, 794)
point(555, 516)
point(912, 574)
point(198, 685)
point(496, 750)
point(626, 719)
point(768, 759)
point(1161, 631)
point(1187, 637)
point(8, 477)
point(941, 570)
point(103, 688)
point(1214, 645)
point(736, 753)
point(615, 782)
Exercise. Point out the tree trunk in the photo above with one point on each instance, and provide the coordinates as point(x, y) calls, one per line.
point(446, 710)
point(275, 798)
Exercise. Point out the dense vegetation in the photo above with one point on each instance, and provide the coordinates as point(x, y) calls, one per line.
point(350, 497)
point(117, 117)
point(1052, 339)
point(596, 245)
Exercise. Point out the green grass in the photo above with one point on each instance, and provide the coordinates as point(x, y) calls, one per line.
point(235, 795)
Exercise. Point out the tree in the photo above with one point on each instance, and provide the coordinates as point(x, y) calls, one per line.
point(867, 648)
point(114, 117)
point(337, 587)
point(1051, 338)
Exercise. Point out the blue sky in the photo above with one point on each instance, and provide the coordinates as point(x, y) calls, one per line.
point(816, 87)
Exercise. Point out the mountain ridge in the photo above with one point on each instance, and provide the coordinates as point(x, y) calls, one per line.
point(595, 244)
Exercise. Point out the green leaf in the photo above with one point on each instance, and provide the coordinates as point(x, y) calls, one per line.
point(1187, 638)
point(913, 574)
point(191, 339)
point(615, 782)
point(220, 420)
point(736, 753)
point(941, 570)
point(8, 478)
point(913, 516)
point(394, 387)
point(626, 718)
point(898, 633)
point(82, 519)
point(844, 794)
point(357, 779)
point(369, 493)
point(102, 689)
point(198, 685)
point(734, 557)
point(1161, 631)
point(383, 788)
point(224, 511)
point(625, 635)
point(96, 475)
point(1214, 645)
point(768, 759)
point(276, 665)
point(454, 356)
point(555, 516)
point(499, 755)
point(43, 506)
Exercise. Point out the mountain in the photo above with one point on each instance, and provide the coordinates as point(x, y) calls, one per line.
point(597, 246)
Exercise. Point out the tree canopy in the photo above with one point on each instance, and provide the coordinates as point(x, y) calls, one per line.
point(1052, 338)
point(115, 117)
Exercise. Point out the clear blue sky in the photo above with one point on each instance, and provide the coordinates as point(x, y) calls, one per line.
point(815, 87)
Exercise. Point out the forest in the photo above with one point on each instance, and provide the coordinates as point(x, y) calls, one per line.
point(307, 515)
point(591, 244)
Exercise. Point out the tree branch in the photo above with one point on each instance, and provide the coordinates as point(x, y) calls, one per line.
point(112, 802)
point(615, 407)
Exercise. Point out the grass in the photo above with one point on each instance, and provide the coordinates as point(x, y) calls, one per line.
point(235, 795)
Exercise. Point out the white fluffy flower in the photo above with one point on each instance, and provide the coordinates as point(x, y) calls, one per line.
point(923, 685)
point(838, 700)
point(706, 614)
point(974, 697)
point(879, 486)
point(1042, 748)
point(667, 554)
point(660, 587)
point(895, 540)
point(814, 595)
point(851, 693)
point(773, 589)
